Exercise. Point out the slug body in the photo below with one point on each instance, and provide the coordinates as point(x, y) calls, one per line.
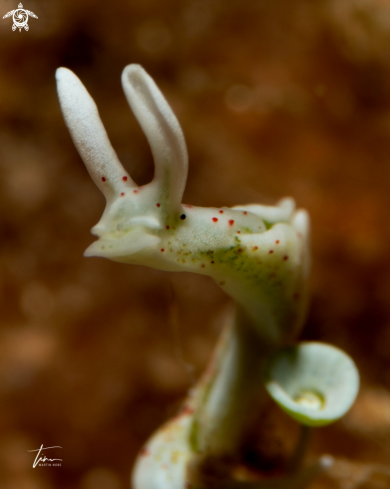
point(259, 255)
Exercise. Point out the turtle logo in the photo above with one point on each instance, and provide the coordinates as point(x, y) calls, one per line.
point(20, 18)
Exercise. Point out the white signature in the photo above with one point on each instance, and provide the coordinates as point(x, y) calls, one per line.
point(39, 460)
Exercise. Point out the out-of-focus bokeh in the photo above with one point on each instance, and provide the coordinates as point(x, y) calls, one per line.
point(276, 98)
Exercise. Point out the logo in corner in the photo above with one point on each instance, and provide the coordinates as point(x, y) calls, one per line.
point(20, 18)
point(44, 461)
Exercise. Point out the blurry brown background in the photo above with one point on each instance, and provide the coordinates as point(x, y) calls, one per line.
point(276, 98)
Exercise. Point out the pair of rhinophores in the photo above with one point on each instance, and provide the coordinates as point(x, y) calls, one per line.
point(259, 255)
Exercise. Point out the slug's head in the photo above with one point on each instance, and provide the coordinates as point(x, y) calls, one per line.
point(258, 254)
point(134, 215)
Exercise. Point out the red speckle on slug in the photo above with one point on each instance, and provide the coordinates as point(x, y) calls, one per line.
point(277, 241)
point(245, 213)
point(124, 179)
point(215, 219)
point(166, 227)
point(162, 250)
point(144, 452)
point(221, 212)
point(158, 204)
point(122, 194)
point(238, 232)
point(285, 257)
point(255, 248)
point(103, 179)
point(212, 263)
point(203, 265)
point(270, 252)
point(135, 191)
point(231, 222)
point(187, 410)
